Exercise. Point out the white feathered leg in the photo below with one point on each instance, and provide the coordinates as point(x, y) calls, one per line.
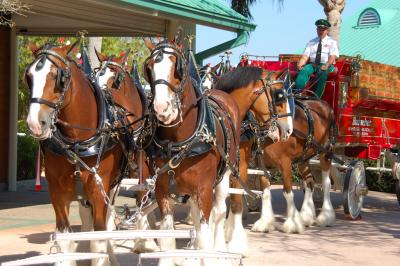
point(66, 246)
point(167, 243)
point(327, 215)
point(218, 212)
point(144, 245)
point(307, 212)
point(293, 223)
point(237, 240)
point(267, 219)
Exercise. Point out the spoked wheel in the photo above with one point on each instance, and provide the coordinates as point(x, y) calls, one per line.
point(354, 189)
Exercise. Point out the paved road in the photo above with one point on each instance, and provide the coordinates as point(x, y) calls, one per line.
point(27, 220)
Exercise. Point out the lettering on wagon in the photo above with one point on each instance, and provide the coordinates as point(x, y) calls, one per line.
point(361, 122)
point(361, 127)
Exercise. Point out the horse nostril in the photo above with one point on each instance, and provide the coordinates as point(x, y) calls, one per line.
point(166, 108)
point(43, 123)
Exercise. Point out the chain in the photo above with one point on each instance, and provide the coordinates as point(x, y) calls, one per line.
point(99, 183)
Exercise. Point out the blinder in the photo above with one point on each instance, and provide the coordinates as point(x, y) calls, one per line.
point(61, 79)
point(63, 75)
point(118, 76)
point(279, 96)
point(178, 68)
point(158, 54)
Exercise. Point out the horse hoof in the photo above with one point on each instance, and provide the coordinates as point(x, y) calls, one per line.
point(292, 226)
point(263, 226)
point(188, 221)
point(239, 248)
point(307, 218)
point(326, 219)
point(145, 245)
point(167, 262)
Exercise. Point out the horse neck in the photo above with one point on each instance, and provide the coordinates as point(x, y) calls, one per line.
point(129, 98)
point(190, 113)
point(244, 97)
point(80, 107)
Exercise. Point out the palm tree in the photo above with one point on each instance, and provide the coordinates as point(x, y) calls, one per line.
point(332, 8)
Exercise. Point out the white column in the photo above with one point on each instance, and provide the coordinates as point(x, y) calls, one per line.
point(13, 113)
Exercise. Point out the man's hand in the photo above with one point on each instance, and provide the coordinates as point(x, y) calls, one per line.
point(300, 67)
point(324, 67)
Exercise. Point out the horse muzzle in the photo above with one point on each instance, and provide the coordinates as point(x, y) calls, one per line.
point(39, 128)
point(165, 112)
point(286, 128)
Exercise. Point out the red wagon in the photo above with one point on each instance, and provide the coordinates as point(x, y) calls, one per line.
point(365, 97)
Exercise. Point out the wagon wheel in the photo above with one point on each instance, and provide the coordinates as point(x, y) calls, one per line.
point(354, 189)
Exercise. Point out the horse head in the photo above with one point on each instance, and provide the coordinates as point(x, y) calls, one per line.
point(165, 70)
point(114, 77)
point(48, 78)
point(208, 76)
point(112, 72)
point(276, 97)
point(259, 92)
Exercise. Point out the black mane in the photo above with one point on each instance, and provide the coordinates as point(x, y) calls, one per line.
point(238, 78)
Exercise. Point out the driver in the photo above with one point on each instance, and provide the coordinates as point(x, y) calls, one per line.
point(322, 52)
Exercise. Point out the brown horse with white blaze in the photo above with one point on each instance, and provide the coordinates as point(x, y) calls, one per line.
point(314, 131)
point(81, 156)
point(132, 105)
point(198, 136)
point(299, 147)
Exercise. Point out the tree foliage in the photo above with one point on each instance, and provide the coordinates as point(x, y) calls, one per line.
point(8, 7)
point(243, 6)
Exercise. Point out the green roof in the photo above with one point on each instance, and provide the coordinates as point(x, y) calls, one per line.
point(377, 42)
point(207, 12)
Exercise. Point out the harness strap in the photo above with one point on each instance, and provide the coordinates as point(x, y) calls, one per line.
point(224, 153)
point(43, 101)
point(310, 141)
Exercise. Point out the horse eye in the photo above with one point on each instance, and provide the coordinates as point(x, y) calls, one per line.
point(279, 97)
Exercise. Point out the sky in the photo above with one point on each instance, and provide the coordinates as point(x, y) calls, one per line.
point(278, 31)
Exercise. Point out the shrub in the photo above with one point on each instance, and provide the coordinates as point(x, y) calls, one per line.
point(27, 152)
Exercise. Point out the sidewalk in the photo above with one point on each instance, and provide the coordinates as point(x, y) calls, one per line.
point(27, 220)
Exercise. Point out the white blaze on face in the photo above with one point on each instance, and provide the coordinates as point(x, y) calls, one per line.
point(207, 82)
point(38, 83)
point(289, 118)
point(102, 79)
point(286, 123)
point(163, 96)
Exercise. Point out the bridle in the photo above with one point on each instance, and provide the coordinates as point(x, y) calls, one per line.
point(275, 97)
point(63, 78)
point(119, 77)
point(63, 82)
point(180, 71)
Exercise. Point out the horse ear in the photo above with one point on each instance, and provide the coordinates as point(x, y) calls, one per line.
point(125, 56)
point(149, 44)
point(214, 68)
point(70, 47)
point(33, 47)
point(100, 56)
point(178, 36)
